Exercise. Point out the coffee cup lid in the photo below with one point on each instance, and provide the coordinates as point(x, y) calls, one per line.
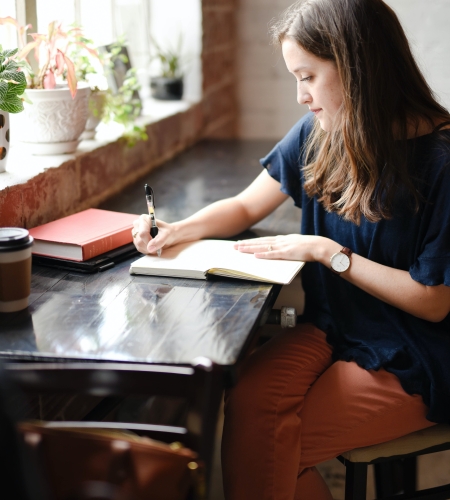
point(14, 238)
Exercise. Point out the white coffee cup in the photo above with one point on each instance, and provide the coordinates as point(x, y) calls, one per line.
point(15, 268)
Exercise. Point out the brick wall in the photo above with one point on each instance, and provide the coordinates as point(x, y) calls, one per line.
point(219, 72)
point(92, 177)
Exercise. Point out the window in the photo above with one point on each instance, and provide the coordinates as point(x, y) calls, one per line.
point(104, 21)
point(8, 33)
point(171, 18)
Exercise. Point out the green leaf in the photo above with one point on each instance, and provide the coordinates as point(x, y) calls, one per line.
point(25, 98)
point(11, 75)
point(11, 66)
point(24, 65)
point(3, 90)
point(12, 105)
point(17, 86)
point(13, 92)
point(9, 53)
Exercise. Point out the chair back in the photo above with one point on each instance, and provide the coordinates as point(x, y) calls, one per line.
point(200, 385)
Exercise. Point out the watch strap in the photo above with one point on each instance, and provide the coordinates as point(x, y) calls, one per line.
point(347, 251)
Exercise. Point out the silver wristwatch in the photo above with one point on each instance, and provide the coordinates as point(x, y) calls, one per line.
point(340, 261)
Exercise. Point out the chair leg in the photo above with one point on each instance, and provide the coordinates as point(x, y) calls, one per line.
point(355, 481)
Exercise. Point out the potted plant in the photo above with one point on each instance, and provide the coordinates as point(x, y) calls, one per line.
point(12, 87)
point(123, 104)
point(55, 120)
point(89, 66)
point(120, 102)
point(168, 85)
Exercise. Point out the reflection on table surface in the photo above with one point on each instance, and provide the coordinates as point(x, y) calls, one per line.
point(115, 316)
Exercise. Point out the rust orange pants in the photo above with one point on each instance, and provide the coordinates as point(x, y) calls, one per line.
point(293, 408)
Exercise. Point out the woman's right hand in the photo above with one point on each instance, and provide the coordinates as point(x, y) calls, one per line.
point(221, 219)
point(144, 242)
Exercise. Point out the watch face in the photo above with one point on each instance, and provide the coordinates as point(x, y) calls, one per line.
point(340, 262)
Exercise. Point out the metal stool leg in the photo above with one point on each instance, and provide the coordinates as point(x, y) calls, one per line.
point(397, 476)
point(384, 479)
point(410, 475)
point(355, 481)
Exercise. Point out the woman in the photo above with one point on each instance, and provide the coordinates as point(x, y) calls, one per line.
point(369, 166)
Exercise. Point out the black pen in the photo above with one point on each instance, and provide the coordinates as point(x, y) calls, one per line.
point(150, 197)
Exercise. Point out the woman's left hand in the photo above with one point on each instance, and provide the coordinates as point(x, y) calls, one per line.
point(289, 247)
point(393, 286)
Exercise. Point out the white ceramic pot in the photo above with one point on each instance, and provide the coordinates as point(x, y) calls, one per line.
point(96, 105)
point(54, 122)
point(4, 139)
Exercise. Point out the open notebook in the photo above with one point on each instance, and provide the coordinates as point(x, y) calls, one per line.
point(197, 259)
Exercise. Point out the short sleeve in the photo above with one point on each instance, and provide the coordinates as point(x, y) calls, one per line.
point(432, 265)
point(284, 162)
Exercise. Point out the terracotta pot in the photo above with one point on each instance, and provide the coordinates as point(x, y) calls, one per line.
point(4, 139)
point(54, 122)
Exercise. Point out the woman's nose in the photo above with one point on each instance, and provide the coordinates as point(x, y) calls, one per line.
point(303, 97)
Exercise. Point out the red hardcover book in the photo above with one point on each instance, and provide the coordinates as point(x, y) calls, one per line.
point(84, 235)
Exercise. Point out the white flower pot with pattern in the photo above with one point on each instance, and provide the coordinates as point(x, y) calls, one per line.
point(4, 139)
point(54, 122)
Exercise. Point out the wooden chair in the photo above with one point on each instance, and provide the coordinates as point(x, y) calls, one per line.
point(403, 450)
point(200, 385)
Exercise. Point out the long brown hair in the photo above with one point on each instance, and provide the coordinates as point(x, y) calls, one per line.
point(357, 167)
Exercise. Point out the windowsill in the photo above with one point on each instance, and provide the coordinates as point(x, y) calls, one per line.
point(23, 166)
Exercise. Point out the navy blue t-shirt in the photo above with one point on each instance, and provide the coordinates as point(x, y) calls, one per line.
point(359, 326)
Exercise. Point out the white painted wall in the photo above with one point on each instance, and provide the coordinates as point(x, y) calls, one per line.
point(267, 92)
point(427, 25)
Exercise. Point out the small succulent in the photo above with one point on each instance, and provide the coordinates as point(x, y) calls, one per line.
point(170, 59)
point(12, 82)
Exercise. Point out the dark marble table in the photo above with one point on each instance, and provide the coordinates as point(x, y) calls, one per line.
point(113, 316)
